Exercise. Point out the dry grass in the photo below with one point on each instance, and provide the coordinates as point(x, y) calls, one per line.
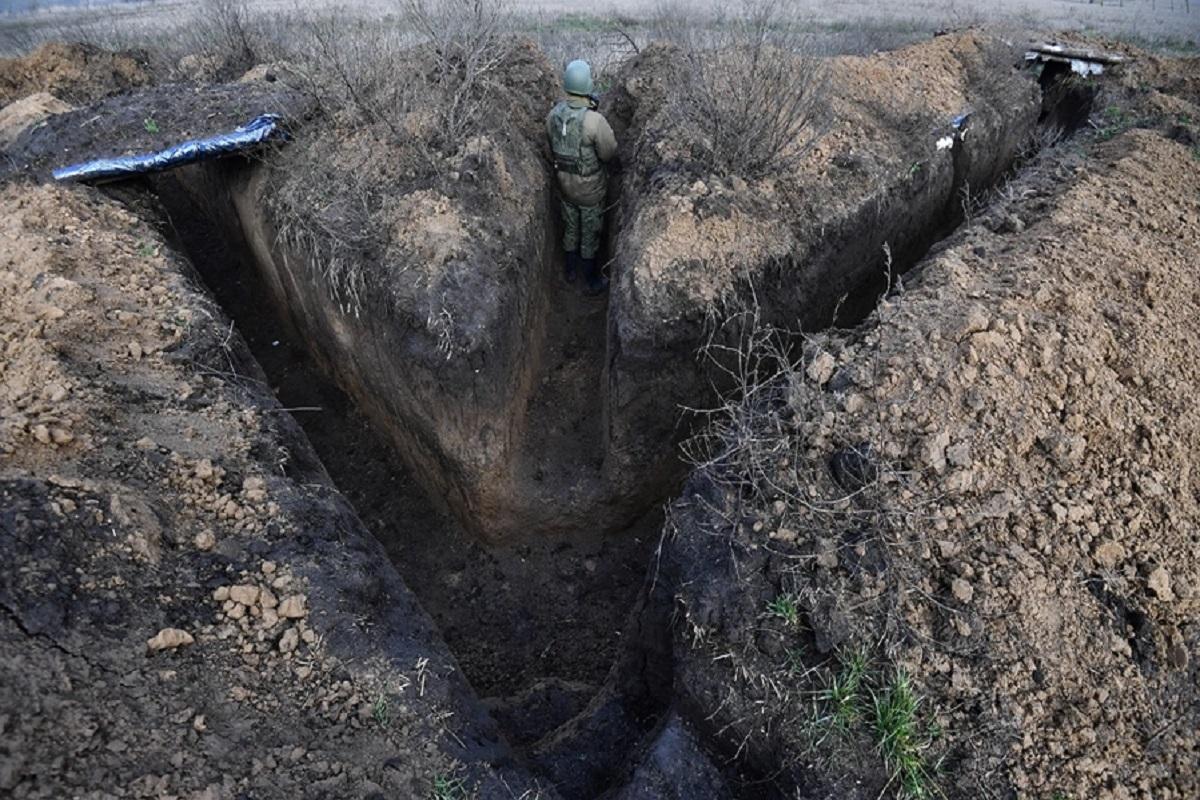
point(751, 84)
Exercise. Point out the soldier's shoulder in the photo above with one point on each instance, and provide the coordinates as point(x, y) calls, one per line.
point(595, 121)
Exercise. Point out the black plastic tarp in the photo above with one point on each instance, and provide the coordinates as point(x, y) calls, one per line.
point(258, 131)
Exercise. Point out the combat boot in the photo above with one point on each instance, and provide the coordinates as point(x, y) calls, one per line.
point(571, 266)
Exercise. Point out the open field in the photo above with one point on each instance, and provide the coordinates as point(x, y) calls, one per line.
point(864, 24)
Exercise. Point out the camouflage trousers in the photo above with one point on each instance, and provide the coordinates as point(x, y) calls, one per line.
point(581, 228)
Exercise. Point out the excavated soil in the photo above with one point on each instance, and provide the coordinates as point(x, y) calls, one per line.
point(986, 484)
point(74, 73)
point(154, 491)
point(502, 443)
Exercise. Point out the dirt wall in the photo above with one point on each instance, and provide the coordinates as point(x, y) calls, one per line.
point(189, 607)
point(988, 486)
point(793, 244)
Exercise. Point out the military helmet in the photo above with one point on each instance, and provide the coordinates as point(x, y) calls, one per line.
point(577, 78)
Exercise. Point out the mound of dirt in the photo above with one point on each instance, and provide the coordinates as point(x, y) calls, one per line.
point(19, 115)
point(189, 608)
point(799, 242)
point(418, 272)
point(76, 73)
point(988, 486)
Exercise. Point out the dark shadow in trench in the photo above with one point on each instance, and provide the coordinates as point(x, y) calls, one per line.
point(536, 626)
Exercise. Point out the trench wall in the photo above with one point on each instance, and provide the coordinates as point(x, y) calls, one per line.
point(456, 421)
point(832, 256)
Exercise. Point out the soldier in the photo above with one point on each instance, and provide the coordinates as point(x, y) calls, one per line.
point(582, 142)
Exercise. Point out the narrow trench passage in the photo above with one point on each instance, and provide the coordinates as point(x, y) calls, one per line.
point(531, 622)
point(536, 625)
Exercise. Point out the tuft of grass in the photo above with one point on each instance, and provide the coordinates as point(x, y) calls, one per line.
point(1114, 121)
point(845, 692)
point(150, 125)
point(448, 787)
point(793, 659)
point(785, 607)
point(381, 710)
point(900, 739)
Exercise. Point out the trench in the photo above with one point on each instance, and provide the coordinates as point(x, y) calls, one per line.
point(547, 629)
point(558, 635)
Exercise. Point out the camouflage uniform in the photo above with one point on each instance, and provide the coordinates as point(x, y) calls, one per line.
point(581, 141)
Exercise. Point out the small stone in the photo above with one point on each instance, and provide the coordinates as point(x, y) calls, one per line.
point(289, 640)
point(169, 639)
point(959, 455)
point(269, 618)
point(935, 451)
point(294, 607)
point(135, 350)
point(827, 553)
point(309, 636)
point(268, 568)
point(246, 594)
point(198, 724)
point(1160, 583)
point(820, 369)
point(42, 434)
point(785, 535)
point(221, 594)
point(1177, 654)
point(1108, 554)
point(205, 540)
point(267, 599)
point(963, 592)
point(253, 483)
point(236, 611)
point(61, 436)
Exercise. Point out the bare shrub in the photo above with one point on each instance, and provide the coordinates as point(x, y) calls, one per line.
point(228, 33)
point(750, 86)
point(772, 383)
point(398, 98)
point(469, 44)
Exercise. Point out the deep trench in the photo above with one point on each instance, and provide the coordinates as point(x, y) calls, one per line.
point(542, 628)
point(539, 626)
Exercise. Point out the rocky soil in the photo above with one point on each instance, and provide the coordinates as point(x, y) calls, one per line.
point(983, 485)
point(987, 486)
point(190, 609)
